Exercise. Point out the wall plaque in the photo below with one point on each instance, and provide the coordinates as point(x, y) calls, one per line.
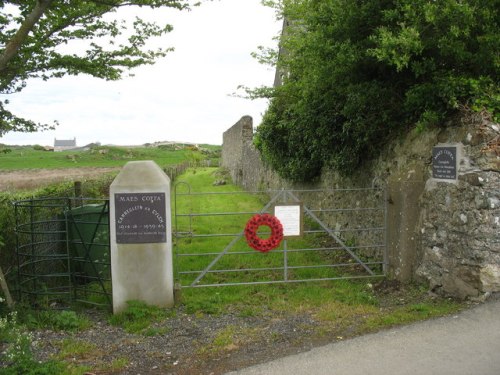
point(444, 163)
point(140, 218)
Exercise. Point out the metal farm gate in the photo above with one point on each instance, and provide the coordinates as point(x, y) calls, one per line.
point(343, 237)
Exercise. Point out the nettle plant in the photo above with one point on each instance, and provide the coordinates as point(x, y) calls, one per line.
point(17, 354)
point(18, 341)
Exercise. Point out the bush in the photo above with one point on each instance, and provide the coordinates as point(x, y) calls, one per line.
point(357, 74)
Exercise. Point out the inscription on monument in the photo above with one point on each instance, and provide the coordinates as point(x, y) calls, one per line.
point(140, 218)
point(444, 163)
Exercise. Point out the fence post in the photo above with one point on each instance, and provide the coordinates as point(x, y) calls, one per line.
point(78, 194)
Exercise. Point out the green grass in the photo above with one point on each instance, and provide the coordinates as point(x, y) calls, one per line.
point(63, 320)
point(228, 339)
point(217, 223)
point(139, 318)
point(337, 303)
point(73, 348)
point(104, 156)
point(72, 351)
point(399, 315)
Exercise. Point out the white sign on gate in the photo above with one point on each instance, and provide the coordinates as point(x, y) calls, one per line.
point(290, 216)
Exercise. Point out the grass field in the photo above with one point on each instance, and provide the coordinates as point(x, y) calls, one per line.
point(103, 156)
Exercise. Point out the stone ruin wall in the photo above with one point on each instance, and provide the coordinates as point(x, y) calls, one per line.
point(236, 141)
point(446, 234)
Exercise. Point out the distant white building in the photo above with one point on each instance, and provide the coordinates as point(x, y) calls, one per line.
point(64, 144)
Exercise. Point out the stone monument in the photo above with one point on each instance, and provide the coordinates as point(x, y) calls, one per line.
point(141, 236)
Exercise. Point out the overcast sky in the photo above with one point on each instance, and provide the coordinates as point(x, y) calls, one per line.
point(184, 97)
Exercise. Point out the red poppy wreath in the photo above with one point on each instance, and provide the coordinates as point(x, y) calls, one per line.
point(257, 243)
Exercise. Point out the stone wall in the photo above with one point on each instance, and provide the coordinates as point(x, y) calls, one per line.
point(459, 223)
point(243, 161)
point(236, 140)
point(446, 234)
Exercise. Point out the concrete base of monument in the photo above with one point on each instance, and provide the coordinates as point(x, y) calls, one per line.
point(142, 276)
point(141, 236)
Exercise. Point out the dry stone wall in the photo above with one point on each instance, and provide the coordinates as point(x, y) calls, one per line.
point(444, 233)
point(460, 223)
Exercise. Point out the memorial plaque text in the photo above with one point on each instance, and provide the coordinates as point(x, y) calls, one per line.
point(140, 218)
point(444, 163)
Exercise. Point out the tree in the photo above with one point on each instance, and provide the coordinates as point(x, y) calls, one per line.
point(36, 36)
point(359, 73)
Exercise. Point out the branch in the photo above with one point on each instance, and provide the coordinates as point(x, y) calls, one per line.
point(12, 48)
point(5, 289)
point(153, 4)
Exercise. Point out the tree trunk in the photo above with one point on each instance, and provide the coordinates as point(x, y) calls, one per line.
point(12, 48)
point(5, 288)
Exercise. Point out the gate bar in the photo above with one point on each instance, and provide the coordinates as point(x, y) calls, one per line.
point(285, 268)
point(288, 281)
point(280, 251)
point(231, 244)
point(332, 234)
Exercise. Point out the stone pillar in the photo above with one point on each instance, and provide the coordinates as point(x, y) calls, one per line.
point(403, 213)
point(141, 236)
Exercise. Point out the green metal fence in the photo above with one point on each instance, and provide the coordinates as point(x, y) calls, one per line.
point(63, 251)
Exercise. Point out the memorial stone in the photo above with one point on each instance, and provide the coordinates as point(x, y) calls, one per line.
point(141, 236)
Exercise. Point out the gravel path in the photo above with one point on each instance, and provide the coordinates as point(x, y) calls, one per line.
point(189, 345)
point(198, 344)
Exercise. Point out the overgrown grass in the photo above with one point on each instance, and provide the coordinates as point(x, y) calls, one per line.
point(64, 320)
point(140, 318)
point(17, 356)
point(229, 339)
point(73, 348)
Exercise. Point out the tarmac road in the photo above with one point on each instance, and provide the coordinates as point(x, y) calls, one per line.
point(464, 344)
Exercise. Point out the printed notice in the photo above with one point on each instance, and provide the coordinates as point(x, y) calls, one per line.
point(290, 217)
point(444, 163)
point(140, 218)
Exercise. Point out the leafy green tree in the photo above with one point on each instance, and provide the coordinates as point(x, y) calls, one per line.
point(34, 34)
point(357, 73)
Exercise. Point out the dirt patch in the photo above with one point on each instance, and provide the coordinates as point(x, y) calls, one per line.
point(27, 179)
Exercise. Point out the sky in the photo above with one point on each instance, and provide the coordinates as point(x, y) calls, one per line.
point(184, 97)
